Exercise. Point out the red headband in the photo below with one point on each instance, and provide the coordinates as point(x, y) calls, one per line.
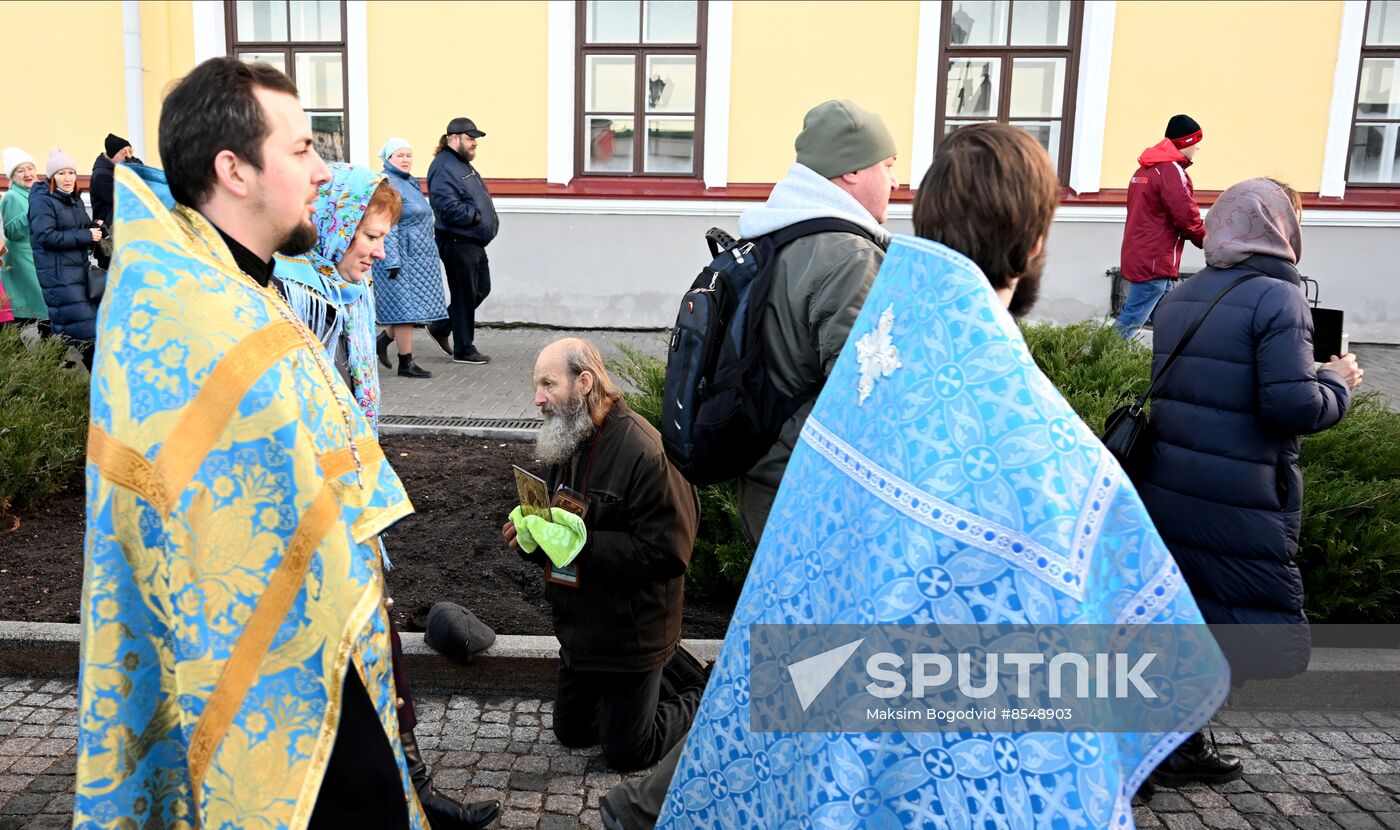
point(1187, 140)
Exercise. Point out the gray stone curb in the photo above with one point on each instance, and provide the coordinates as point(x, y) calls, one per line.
point(1337, 678)
point(514, 665)
point(484, 433)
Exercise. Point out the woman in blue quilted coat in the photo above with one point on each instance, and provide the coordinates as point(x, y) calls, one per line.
point(408, 282)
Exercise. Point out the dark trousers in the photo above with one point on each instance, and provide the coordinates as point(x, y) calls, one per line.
point(624, 711)
point(468, 284)
point(361, 787)
point(637, 802)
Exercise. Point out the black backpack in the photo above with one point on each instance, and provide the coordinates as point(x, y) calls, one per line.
point(720, 413)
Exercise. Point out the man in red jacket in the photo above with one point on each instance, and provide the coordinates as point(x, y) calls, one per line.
point(1162, 215)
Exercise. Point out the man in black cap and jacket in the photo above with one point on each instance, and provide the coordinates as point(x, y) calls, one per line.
point(117, 151)
point(464, 220)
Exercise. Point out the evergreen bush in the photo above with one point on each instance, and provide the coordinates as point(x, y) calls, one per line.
point(43, 421)
point(721, 557)
point(1349, 552)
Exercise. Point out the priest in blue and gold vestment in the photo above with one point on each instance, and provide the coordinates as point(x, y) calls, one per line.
point(232, 597)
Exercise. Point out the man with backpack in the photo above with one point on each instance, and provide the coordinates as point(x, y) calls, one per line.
point(817, 285)
point(844, 170)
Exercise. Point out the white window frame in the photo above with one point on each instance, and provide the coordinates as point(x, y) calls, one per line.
point(1339, 115)
point(1091, 97)
point(210, 42)
point(563, 46)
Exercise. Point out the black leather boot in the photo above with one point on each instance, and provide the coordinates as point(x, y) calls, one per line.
point(1197, 759)
point(381, 345)
point(444, 813)
point(409, 369)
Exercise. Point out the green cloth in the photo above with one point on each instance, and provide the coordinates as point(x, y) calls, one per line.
point(561, 539)
point(18, 275)
point(839, 137)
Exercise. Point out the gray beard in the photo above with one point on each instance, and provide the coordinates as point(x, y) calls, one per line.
point(563, 432)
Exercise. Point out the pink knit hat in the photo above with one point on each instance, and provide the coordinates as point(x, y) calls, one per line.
point(59, 160)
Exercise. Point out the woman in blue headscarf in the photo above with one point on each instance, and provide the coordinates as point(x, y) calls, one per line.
point(331, 291)
point(330, 288)
point(409, 280)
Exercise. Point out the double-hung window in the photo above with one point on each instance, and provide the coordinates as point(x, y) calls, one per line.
point(640, 88)
point(1012, 61)
point(306, 40)
point(1375, 132)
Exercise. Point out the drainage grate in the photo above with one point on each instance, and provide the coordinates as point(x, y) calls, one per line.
point(459, 423)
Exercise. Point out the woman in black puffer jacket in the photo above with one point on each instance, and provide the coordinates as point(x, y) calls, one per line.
point(62, 235)
point(1222, 480)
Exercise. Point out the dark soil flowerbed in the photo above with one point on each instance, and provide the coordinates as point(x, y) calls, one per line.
point(451, 549)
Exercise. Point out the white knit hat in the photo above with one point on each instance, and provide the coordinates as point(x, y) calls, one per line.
point(12, 157)
point(59, 160)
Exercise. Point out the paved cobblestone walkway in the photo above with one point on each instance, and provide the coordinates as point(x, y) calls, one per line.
point(1316, 771)
point(500, 389)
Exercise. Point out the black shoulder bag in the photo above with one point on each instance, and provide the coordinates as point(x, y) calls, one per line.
point(1124, 428)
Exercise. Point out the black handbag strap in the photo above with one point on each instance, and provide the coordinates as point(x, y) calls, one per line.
point(1186, 338)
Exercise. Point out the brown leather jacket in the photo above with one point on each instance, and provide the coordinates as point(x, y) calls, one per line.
point(625, 614)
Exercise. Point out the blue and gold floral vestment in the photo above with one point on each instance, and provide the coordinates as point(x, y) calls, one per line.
point(230, 584)
point(940, 480)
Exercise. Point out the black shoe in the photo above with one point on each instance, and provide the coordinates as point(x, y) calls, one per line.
point(381, 345)
point(475, 357)
point(409, 369)
point(441, 339)
point(1197, 759)
point(444, 813)
point(686, 670)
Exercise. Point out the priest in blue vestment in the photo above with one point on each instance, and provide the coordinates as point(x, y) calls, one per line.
point(942, 480)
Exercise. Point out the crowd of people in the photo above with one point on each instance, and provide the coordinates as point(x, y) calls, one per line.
point(238, 658)
point(54, 255)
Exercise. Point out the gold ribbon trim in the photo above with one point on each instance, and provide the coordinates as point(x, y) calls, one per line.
point(206, 417)
point(243, 664)
point(123, 466)
point(337, 463)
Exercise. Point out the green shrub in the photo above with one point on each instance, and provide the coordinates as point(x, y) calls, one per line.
point(43, 421)
point(1094, 368)
point(722, 554)
point(1349, 551)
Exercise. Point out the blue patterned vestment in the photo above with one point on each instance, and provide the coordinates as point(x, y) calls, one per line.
point(941, 479)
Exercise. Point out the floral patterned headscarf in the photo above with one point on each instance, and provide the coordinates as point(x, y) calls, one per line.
point(340, 206)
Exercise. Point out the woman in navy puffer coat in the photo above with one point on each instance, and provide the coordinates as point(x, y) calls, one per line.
point(1222, 481)
point(62, 235)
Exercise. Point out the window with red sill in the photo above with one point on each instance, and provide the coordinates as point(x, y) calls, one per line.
point(1012, 61)
point(640, 88)
point(306, 40)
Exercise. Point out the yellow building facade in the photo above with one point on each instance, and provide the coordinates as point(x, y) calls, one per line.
point(1297, 90)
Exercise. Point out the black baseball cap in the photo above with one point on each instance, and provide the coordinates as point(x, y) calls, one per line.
point(463, 125)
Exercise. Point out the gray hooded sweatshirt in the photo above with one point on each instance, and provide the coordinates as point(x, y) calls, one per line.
point(819, 284)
